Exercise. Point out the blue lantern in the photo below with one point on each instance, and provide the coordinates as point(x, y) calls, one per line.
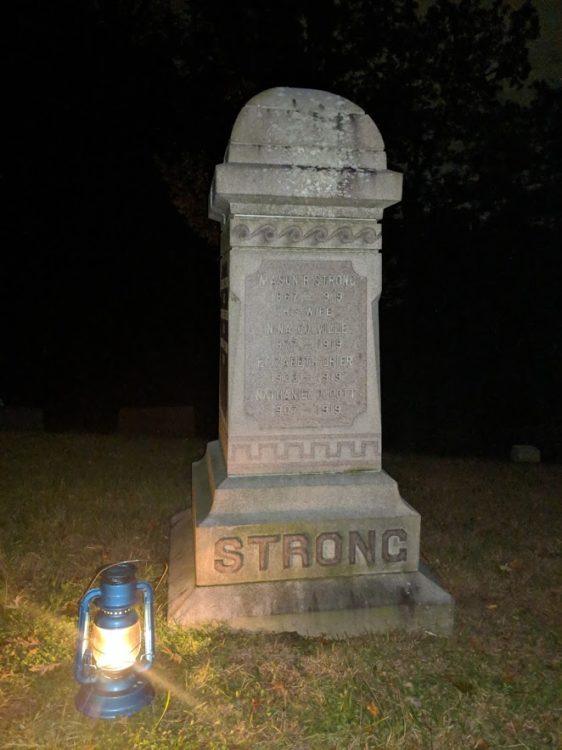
point(108, 663)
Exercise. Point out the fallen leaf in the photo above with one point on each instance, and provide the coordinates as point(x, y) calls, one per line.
point(491, 606)
point(279, 688)
point(373, 710)
point(481, 744)
point(29, 641)
point(15, 604)
point(44, 668)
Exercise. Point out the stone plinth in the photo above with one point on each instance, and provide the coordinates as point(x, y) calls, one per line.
point(525, 454)
point(294, 525)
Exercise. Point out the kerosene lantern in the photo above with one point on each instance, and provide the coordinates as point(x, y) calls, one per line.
point(108, 663)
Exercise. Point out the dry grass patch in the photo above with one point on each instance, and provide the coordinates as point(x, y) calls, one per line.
point(491, 531)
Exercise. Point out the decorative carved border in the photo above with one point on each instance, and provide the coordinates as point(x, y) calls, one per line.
point(255, 452)
point(246, 231)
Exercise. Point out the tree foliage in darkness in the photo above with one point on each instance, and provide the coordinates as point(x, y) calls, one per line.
point(122, 108)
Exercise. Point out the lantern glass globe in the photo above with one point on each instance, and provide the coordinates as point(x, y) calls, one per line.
point(115, 649)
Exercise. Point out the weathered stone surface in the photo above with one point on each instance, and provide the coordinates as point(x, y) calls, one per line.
point(266, 528)
point(303, 147)
point(525, 454)
point(306, 344)
point(332, 607)
point(299, 351)
point(253, 185)
point(294, 524)
point(304, 127)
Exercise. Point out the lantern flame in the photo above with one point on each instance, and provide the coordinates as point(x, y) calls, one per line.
point(115, 649)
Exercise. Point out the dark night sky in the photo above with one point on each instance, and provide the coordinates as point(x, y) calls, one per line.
point(118, 112)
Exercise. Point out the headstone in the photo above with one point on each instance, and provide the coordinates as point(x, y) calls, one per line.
point(21, 419)
point(164, 421)
point(525, 454)
point(294, 525)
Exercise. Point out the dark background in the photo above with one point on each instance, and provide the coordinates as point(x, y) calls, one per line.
point(116, 114)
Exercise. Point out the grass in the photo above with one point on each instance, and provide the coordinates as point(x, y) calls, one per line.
point(490, 530)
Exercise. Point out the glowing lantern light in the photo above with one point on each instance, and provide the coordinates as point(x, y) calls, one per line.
point(107, 661)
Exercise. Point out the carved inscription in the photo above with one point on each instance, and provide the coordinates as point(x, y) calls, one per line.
point(296, 547)
point(263, 543)
point(228, 558)
point(301, 550)
point(366, 548)
point(394, 545)
point(331, 556)
point(305, 344)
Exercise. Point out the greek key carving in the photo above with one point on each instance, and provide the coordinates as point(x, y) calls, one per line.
point(302, 451)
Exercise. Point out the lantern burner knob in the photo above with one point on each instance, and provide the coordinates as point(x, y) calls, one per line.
point(119, 574)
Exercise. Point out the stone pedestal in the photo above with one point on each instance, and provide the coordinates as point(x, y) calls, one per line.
point(294, 526)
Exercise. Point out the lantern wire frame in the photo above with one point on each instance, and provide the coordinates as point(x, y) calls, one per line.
point(127, 693)
point(124, 562)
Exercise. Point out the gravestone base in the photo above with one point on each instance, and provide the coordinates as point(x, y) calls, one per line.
point(263, 528)
point(319, 554)
point(330, 607)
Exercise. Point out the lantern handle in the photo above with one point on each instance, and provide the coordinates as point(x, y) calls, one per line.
point(148, 598)
point(111, 565)
point(81, 674)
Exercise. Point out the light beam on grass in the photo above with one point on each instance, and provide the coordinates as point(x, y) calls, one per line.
point(157, 675)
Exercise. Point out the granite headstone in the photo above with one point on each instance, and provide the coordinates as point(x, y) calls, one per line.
point(294, 525)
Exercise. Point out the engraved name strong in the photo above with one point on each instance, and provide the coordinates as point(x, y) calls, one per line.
point(305, 344)
point(273, 552)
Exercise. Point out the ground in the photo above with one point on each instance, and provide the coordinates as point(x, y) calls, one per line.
point(490, 531)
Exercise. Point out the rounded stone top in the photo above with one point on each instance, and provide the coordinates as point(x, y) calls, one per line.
point(304, 100)
point(303, 150)
point(305, 127)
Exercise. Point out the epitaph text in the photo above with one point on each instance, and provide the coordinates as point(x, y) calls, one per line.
point(306, 344)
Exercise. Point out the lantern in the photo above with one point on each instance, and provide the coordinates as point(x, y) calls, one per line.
point(108, 663)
